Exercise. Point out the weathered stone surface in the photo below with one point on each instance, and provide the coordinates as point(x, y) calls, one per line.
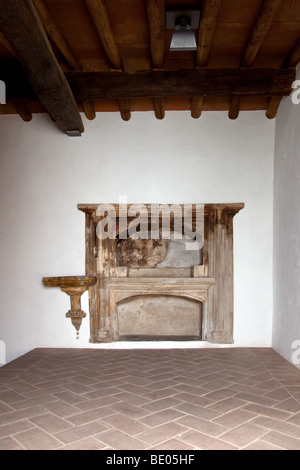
point(141, 253)
point(182, 253)
point(161, 315)
point(160, 272)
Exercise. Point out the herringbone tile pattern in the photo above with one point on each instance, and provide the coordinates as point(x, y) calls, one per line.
point(180, 399)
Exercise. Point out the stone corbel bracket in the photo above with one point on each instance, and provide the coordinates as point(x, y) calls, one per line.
point(74, 286)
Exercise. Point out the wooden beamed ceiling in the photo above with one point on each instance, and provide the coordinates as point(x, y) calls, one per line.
point(87, 56)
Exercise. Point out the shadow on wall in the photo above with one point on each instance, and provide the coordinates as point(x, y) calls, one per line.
point(2, 353)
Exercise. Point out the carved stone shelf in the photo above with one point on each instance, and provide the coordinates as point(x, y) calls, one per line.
point(74, 286)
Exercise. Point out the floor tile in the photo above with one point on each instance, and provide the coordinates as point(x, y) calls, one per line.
point(208, 427)
point(244, 434)
point(80, 432)
point(50, 423)
point(125, 424)
point(268, 411)
point(280, 426)
point(282, 440)
point(161, 417)
point(173, 444)
point(229, 404)
point(195, 410)
point(160, 433)
point(61, 408)
point(204, 442)
point(36, 439)
point(289, 405)
point(295, 419)
point(84, 444)
point(168, 399)
point(5, 408)
point(262, 445)
point(120, 441)
point(129, 410)
point(7, 430)
point(234, 418)
point(8, 443)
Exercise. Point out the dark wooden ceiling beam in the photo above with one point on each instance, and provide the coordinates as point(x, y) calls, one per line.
point(196, 108)
point(160, 84)
point(159, 108)
point(208, 22)
point(235, 106)
point(99, 15)
point(195, 84)
point(293, 58)
point(24, 31)
point(89, 110)
point(291, 61)
point(264, 20)
point(4, 42)
point(273, 106)
point(55, 32)
point(23, 111)
point(125, 109)
point(156, 19)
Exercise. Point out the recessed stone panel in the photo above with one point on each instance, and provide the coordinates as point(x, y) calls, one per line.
point(160, 316)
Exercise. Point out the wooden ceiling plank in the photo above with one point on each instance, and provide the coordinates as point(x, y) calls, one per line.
point(55, 32)
point(159, 108)
point(208, 22)
point(235, 106)
point(190, 82)
point(23, 29)
point(99, 14)
point(4, 42)
point(293, 58)
point(156, 18)
point(291, 61)
point(264, 20)
point(273, 107)
point(197, 106)
point(89, 110)
point(125, 109)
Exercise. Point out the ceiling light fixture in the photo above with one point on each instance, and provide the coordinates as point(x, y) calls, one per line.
point(185, 23)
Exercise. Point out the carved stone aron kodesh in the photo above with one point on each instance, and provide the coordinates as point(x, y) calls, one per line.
point(156, 272)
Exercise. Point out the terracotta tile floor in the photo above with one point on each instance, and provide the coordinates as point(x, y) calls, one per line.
point(180, 399)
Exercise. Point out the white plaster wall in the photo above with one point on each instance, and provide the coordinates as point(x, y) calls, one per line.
point(44, 174)
point(286, 329)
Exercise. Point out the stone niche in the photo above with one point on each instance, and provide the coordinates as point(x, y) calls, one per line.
point(154, 288)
